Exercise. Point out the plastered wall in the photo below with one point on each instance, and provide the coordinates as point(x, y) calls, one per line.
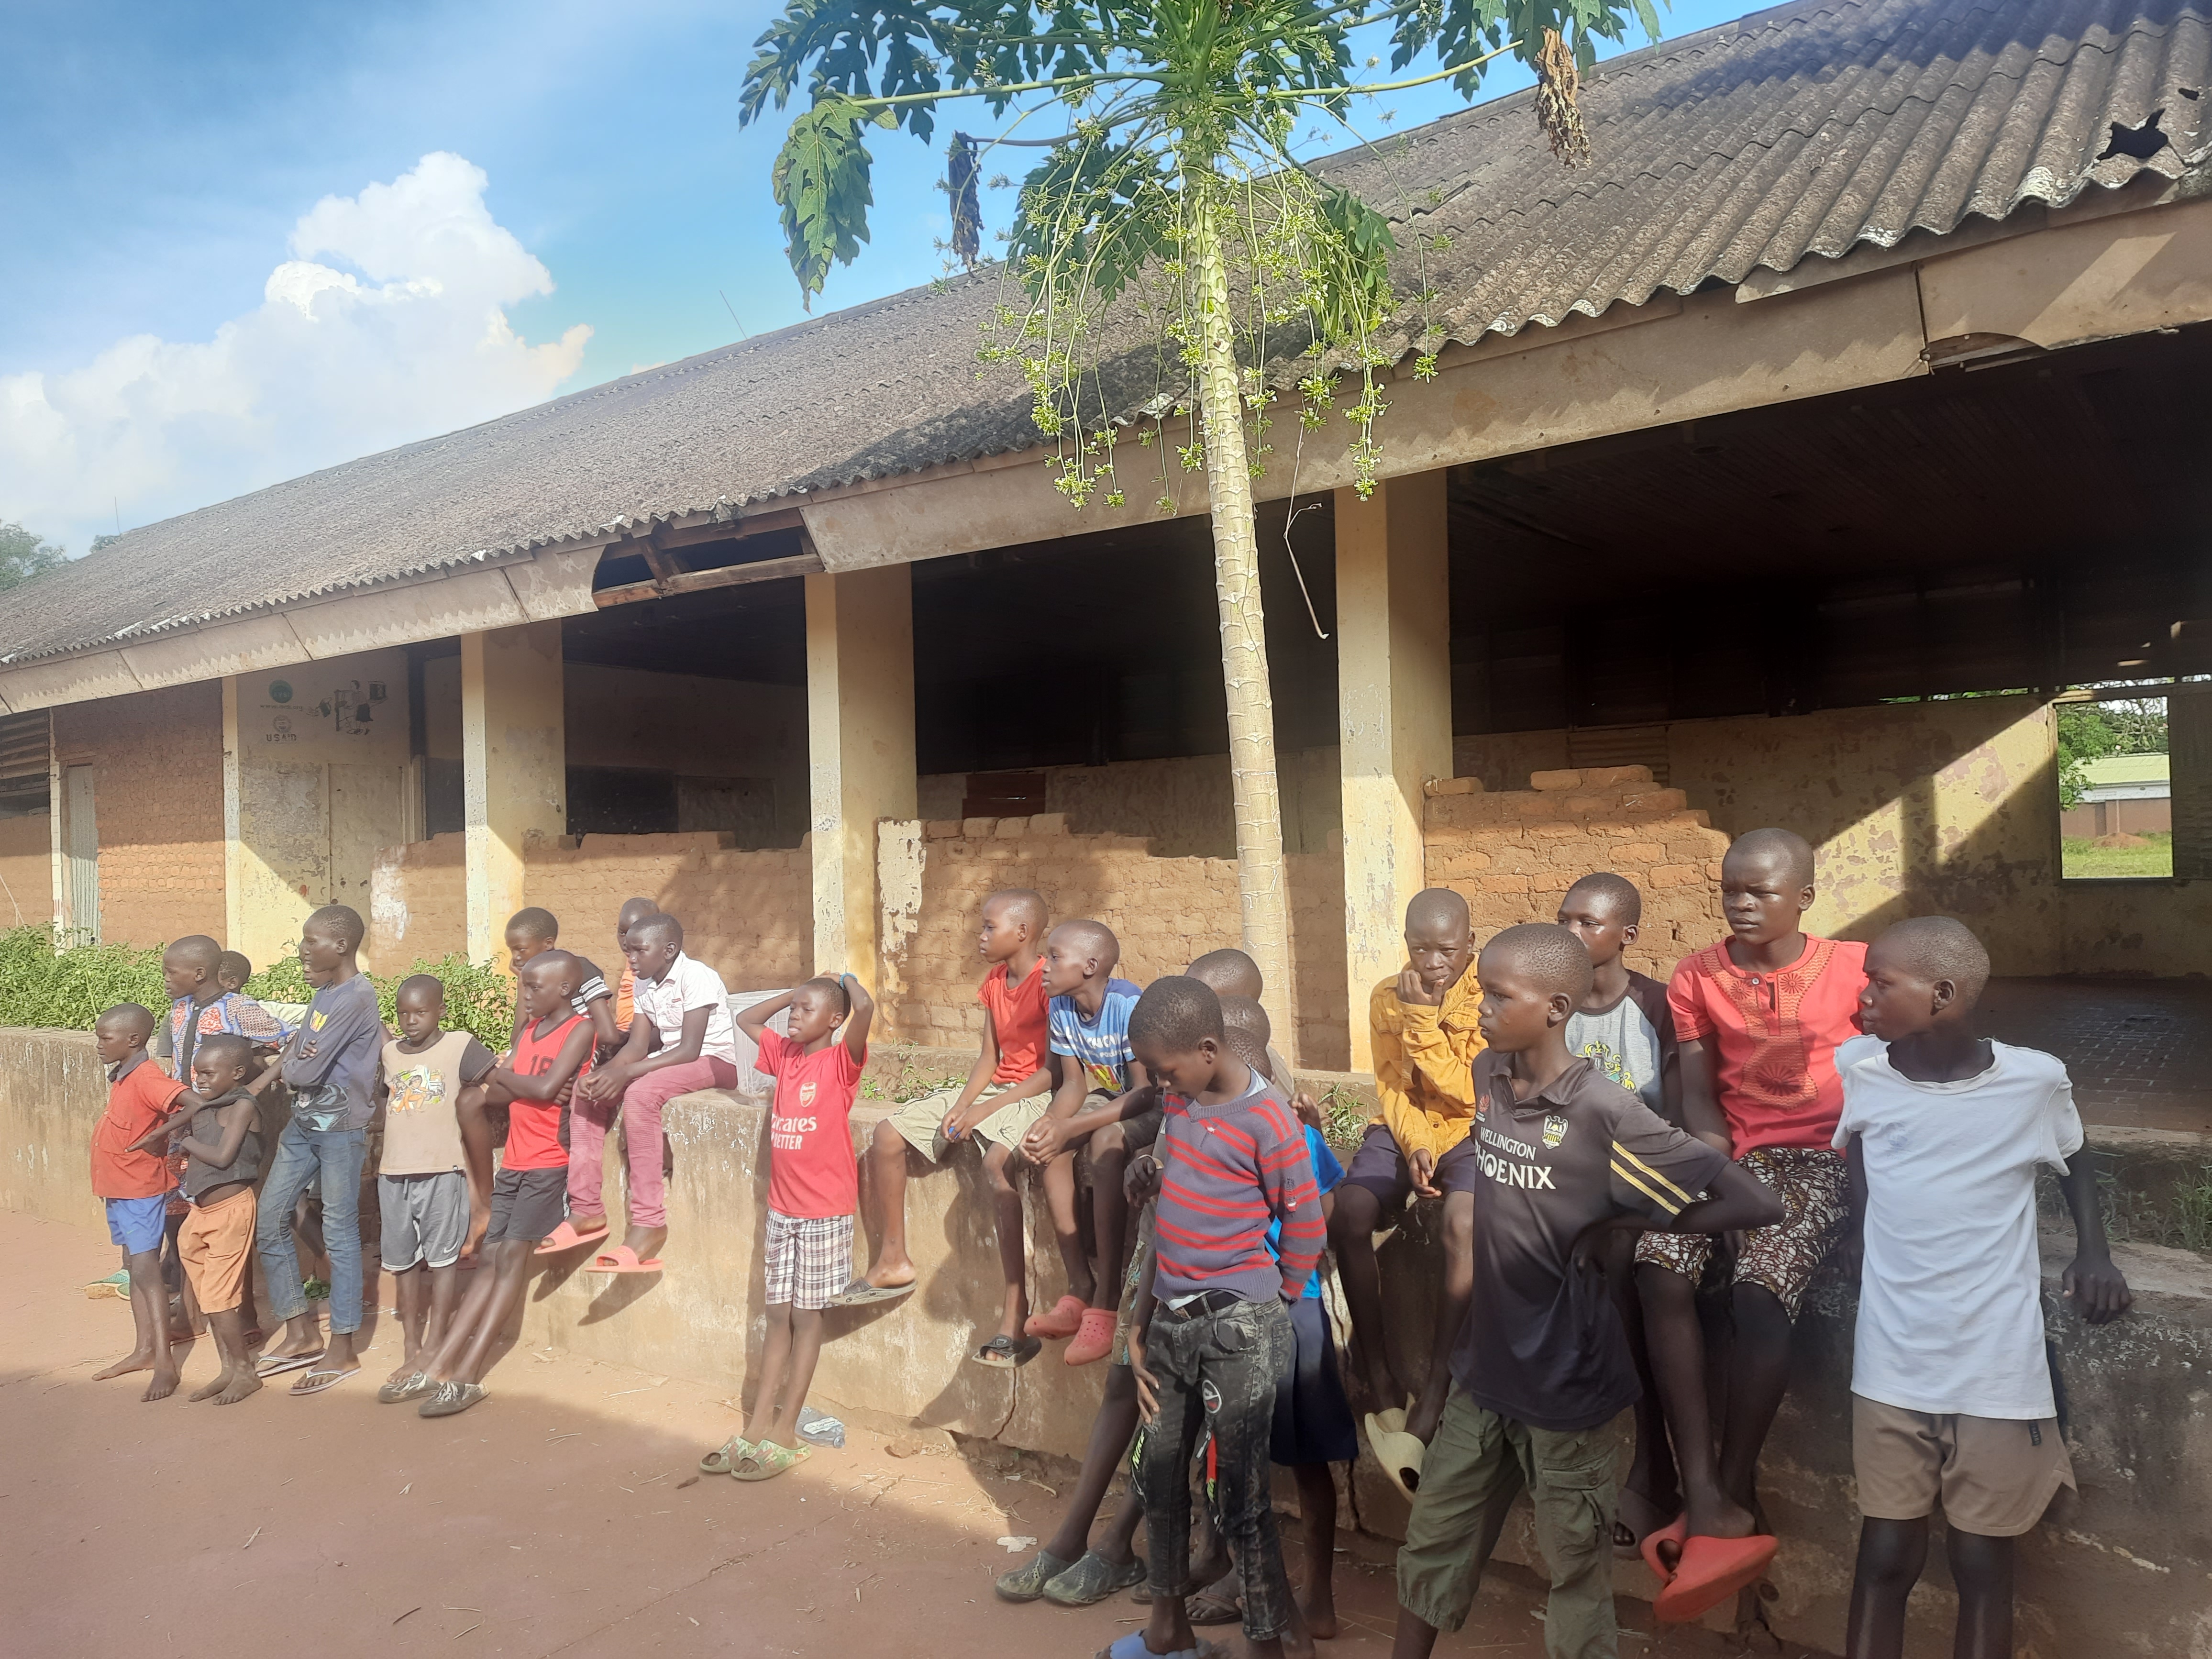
point(157, 801)
point(746, 915)
point(1164, 910)
point(27, 870)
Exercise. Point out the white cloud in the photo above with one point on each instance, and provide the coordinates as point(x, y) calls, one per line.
point(332, 365)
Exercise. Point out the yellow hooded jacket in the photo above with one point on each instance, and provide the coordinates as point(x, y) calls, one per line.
point(1424, 1065)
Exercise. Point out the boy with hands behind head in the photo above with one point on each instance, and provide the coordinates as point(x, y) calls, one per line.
point(1952, 1401)
point(1540, 1366)
point(812, 1184)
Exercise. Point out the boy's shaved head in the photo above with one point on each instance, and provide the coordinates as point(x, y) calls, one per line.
point(233, 966)
point(199, 949)
point(1617, 893)
point(425, 987)
point(1544, 953)
point(1230, 972)
point(341, 922)
point(1024, 905)
point(1093, 939)
point(1175, 1014)
point(1930, 948)
point(1786, 849)
point(534, 923)
point(559, 963)
point(1252, 1051)
point(635, 911)
point(828, 985)
point(227, 1046)
point(127, 1016)
point(1438, 908)
point(1245, 1014)
point(657, 928)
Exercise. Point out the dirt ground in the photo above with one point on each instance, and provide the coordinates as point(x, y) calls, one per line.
point(563, 1516)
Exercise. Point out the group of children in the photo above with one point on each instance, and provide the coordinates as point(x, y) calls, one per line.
point(1640, 1183)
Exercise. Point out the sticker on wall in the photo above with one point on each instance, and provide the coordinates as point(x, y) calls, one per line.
point(280, 690)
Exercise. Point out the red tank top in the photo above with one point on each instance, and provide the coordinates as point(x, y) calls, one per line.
point(534, 1127)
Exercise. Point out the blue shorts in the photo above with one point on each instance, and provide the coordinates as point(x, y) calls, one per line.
point(137, 1224)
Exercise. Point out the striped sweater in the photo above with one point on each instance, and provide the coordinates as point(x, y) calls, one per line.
point(1229, 1172)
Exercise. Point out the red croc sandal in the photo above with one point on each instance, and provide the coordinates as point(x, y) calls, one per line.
point(1094, 1338)
point(1711, 1571)
point(1063, 1318)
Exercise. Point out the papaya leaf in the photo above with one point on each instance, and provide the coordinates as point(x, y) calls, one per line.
point(820, 183)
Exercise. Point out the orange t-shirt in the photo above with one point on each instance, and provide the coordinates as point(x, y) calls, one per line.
point(534, 1127)
point(1773, 1037)
point(137, 1101)
point(625, 999)
point(1018, 1014)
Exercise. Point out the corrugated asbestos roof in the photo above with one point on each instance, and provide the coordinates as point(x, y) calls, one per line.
point(1807, 128)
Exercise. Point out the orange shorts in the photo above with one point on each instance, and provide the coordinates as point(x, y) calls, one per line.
point(213, 1244)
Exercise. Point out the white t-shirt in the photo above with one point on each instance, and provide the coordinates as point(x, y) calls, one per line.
point(1950, 1303)
point(688, 985)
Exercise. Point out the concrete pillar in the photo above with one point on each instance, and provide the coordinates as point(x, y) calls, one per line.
point(860, 723)
point(2189, 742)
point(1394, 706)
point(514, 782)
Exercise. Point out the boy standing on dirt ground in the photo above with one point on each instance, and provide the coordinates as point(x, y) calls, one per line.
point(134, 1186)
point(330, 1066)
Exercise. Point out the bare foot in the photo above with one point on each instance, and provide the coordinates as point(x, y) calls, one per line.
point(1716, 1516)
point(244, 1383)
point(209, 1390)
point(163, 1385)
point(1320, 1617)
point(134, 1361)
point(893, 1275)
point(407, 1369)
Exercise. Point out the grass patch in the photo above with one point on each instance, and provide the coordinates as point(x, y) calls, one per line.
point(2082, 859)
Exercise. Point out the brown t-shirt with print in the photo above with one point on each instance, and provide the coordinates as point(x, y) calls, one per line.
point(421, 1112)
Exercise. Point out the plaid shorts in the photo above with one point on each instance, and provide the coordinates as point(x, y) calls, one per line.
point(1815, 1203)
point(809, 1259)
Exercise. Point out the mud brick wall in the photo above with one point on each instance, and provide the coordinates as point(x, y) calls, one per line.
point(1165, 911)
point(27, 870)
point(1514, 853)
point(418, 908)
point(157, 802)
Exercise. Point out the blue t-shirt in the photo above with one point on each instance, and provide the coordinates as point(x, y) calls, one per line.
point(1326, 1173)
point(347, 1030)
point(1101, 1046)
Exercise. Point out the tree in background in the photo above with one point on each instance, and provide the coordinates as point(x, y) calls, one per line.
point(2091, 730)
point(1172, 208)
point(24, 554)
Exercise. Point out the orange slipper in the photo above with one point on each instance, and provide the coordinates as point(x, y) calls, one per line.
point(1711, 1571)
point(1672, 1533)
point(1063, 1318)
point(566, 1237)
point(623, 1260)
point(1094, 1338)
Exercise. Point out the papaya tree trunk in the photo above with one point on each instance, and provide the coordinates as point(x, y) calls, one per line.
point(1262, 892)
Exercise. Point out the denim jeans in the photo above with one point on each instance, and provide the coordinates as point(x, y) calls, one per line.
point(1217, 1370)
point(336, 1156)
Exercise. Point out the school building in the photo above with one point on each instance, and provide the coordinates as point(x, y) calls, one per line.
point(1782, 466)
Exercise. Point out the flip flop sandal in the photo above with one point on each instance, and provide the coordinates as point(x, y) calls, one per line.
point(1638, 1517)
point(622, 1259)
point(310, 1384)
point(1399, 1454)
point(275, 1364)
point(1205, 1608)
point(859, 1293)
point(1003, 1354)
point(766, 1460)
point(1092, 1580)
point(1711, 1571)
point(451, 1399)
point(724, 1456)
point(408, 1388)
point(1672, 1533)
point(566, 1237)
point(1094, 1337)
point(1026, 1583)
point(1063, 1319)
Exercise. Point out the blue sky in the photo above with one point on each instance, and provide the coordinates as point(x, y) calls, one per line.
point(184, 321)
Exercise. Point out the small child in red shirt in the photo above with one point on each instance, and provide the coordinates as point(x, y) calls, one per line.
point(135, 1186)
point(1758, 1017)
point(813, 1183)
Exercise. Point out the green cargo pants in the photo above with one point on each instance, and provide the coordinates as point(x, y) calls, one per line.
point(1476, 1466)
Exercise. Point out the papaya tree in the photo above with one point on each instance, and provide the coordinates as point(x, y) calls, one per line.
point(1168, 205)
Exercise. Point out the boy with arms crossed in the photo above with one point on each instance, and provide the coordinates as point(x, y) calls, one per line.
point(1100, 1083)
point(812, 1185)
point(1007, 1091)
point(528, 1195)
point(429, 1171)
point(1758, 1017)
point(1232, 1158)
point(134, 1184)
point(1951, 1393)
point(1425, 1039)
point(683, 1002)
point(1541, 1366)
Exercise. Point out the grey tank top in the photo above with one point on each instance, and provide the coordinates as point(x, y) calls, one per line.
point(207, 1128)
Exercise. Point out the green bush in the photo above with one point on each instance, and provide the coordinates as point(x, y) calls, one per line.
point(71, 988)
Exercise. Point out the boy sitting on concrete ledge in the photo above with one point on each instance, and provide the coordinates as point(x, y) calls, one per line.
point(1007, 1089)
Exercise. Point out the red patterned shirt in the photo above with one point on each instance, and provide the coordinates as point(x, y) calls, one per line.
point(1773, 1037)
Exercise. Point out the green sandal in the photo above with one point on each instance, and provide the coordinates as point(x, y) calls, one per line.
point(725, 1458)
point(1092, 1580)
point(1026, 1583)
point(765, 1460)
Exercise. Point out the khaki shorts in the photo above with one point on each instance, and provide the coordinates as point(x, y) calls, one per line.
point(922, 1121)
point(1994, 1476)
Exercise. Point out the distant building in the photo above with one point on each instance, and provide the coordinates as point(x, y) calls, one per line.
point(2127, 794)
